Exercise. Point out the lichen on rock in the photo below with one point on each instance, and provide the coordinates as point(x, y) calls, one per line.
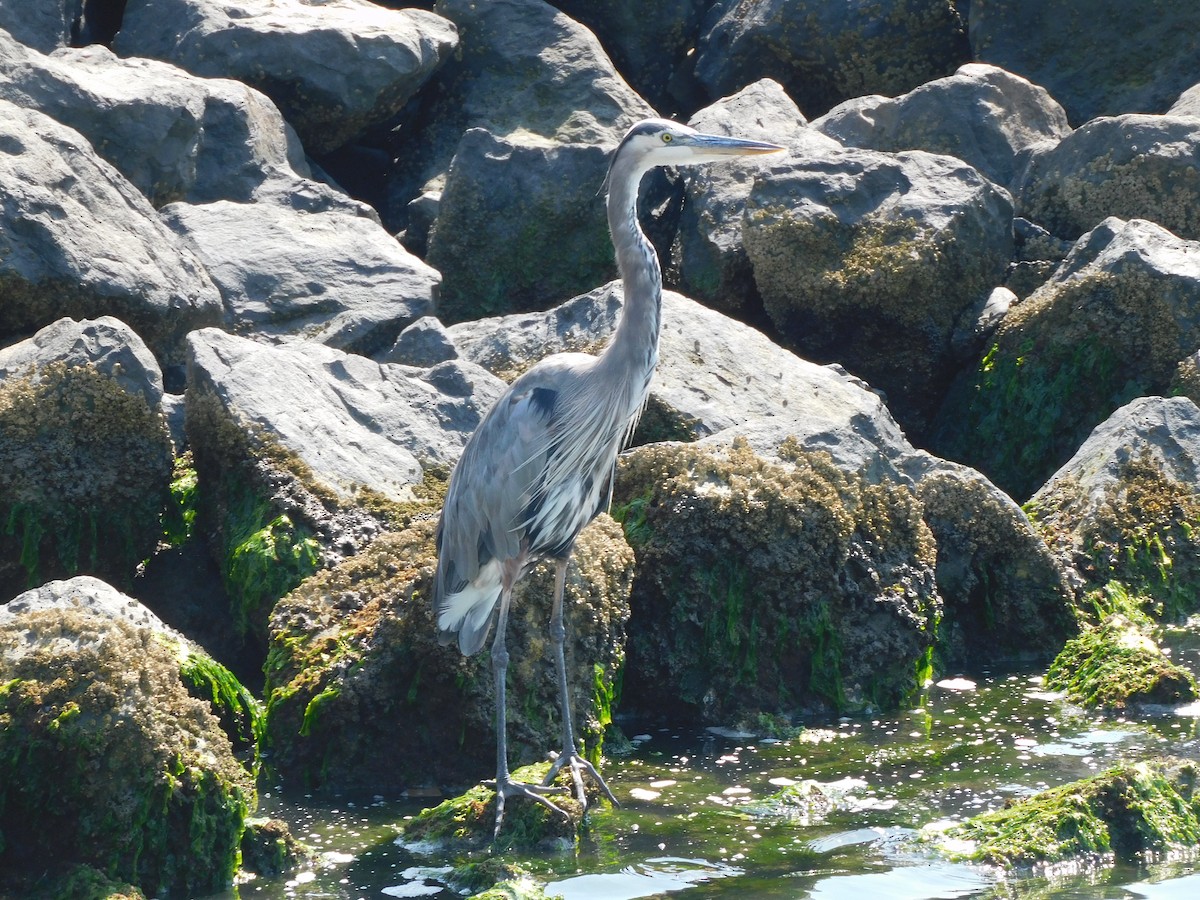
point(772, 587)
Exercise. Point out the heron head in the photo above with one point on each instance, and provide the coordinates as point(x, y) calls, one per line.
point(661, 142)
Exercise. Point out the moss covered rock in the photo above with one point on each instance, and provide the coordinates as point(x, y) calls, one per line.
point(1123, 812)
point(84, 471)
point(468, 822)
point(269, 848)
point(107, 761)
point(872, 260)
point(359, 692)
point(1111, 325)
point(1116, 664)
point(1126, 507)
point(772, 587)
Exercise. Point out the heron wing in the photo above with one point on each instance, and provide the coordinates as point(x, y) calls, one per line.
point(493, 485)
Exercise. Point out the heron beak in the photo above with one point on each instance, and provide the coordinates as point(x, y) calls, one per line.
point(720, 145)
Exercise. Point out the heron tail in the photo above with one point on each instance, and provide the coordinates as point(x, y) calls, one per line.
point(468, 613)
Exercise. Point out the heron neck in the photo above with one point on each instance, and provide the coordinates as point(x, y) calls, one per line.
point(634, 346)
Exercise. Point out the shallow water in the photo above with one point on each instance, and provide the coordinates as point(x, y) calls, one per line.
point(697, 821)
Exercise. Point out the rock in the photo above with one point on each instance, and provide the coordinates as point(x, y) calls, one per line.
point(871, 260)
point(332, 276)
point(106, 344)
point(1188, 103)
point(1131, 166)
point(269, 848)
point(1130, 810)
point(523, 68)
point(333, 68)
point(521, 225)
point(309, 451)
point(1119, 509)
point(709, 255)
point(173, 135)
point(1117, 664)
point(650, 42)
point(425, 342)
point(1036, 255)
point(843, 50)
point(355, 665)
point(1111, 325)
point(106, 761)
point(45, 26)
point(1113, 58)
point(77, 239)
point(85, 456)
point(983, 115)
point(771, 587)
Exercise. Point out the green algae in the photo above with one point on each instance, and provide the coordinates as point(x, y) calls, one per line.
point(1125, 811)
point(179, 518)
point(239, 711)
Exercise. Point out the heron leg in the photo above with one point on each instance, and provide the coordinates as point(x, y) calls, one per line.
point(569, 758)
point(505, 786)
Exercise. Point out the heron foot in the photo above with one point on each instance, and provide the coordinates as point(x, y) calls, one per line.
point(506, 789)
point(578, 767)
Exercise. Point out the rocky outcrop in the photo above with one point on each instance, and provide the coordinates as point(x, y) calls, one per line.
point(872, 260)
point(77, 239)
point(1111, 325)
point(287, 49)
point(981, 114)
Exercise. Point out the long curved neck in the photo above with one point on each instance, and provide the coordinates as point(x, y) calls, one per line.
point(633, 349)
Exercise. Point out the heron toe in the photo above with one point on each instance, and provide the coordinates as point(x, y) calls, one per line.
point(579, 767)
point(506, 788)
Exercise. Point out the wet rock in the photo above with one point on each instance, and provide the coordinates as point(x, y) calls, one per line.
point(842, 50)
point(1131, 166)
point(355, 665)
point(1117, 664)
point(1111, 325)
point(1114, 58)
point(269, 849)
point(309, 451)
point(709, 257)
point(1130, 810)
point(173, 135)
point(523, 68)
point(521, 225)
point(1119, 509)
point(771, 586)
point(107, 761)
point(871, 259)
point(332, 275)
point(76, 239)
point(333, 68)
point(983, 115)
point(85, 456)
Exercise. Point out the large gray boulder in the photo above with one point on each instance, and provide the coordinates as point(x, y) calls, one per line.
point(45, 25)
point(77, 239)
point(521, 225)
point(333, 68)
point(709, 257)
point(287, 271)
point(1104, 59)
point(1121, 508)
point(173, 135)
point(981, 114)
point(1111, 325)
point(1130, 166)
point(85, 457)
point(824, 53)
point(523, 68)
point(875, 260)
point(1188, 103)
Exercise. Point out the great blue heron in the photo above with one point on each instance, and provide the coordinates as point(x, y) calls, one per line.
point(540, 465)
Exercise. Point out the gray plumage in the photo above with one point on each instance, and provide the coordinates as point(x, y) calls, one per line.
point(540, 466)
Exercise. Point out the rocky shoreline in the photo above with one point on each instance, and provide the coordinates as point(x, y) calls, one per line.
point(927, 397)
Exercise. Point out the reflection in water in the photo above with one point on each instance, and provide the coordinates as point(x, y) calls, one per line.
point(660, 875)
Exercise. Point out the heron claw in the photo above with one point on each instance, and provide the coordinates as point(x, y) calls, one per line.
point(578, 767)
point(508, 788)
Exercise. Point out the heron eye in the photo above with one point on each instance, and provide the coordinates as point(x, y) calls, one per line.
point(667, 137)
